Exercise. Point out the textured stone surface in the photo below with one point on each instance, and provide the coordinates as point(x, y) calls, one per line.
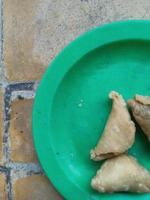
point(34, 187)
point(3, 195)
point(1, 125)
point(1, 69)
point(22, 149)
point(36, 30)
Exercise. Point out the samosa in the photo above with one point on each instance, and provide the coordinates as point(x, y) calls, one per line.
point(122, 174)
point(119, 132)
point(140, 107)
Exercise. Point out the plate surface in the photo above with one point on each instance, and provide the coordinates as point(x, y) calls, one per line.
point(72, 105)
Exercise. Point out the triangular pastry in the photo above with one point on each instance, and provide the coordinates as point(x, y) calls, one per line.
point(122, 173)
point(119, 132)
point(140, 107)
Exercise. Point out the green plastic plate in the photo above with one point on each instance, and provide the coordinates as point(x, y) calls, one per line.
point(72, 105)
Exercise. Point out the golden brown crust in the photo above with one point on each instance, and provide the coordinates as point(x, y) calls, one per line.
point(145, 100)
point(122, 173)
point(119, 133)
point(141, 111)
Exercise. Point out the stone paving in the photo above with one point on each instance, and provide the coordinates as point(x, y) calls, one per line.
point(32, 33)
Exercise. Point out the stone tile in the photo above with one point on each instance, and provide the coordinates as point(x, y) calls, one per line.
point(1, 66)
point(34, 187)
point(3, 194)
point(19, 61)
point(36, 30)
point(1, 126)
point(22, 149)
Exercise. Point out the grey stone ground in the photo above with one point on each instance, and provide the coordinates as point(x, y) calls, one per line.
point(77, 17)
point(1, 73)
point(13, 171)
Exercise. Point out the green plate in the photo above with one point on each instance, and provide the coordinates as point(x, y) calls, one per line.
point(72, 105)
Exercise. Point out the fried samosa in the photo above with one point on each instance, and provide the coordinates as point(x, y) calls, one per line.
point(140, 107)
point(122, 174)
point(119, 132)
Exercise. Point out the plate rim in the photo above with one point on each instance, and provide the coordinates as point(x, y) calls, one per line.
point(120, 30)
